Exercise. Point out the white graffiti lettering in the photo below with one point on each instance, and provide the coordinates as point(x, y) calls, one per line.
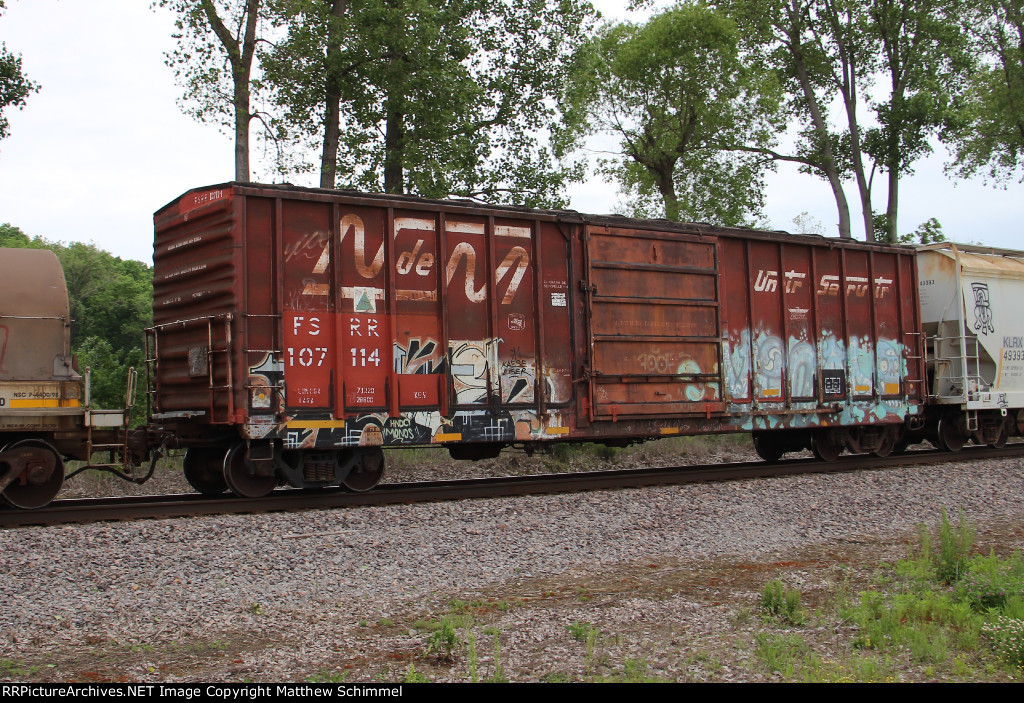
point(829, 285)
point(767, 281)
point(882, 286)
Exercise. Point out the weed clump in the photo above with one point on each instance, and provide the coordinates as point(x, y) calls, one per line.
point(955, 547)
point(946, 601)
point(443, 642)
point(782, 603)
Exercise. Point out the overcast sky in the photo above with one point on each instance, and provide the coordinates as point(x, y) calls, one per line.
point(104, 144)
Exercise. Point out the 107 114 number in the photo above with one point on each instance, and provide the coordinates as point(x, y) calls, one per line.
point(365, 357)
point(307, 356)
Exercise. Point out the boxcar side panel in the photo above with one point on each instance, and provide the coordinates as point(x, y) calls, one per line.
point(362, 320)
point(653, 313)
point(262, 392)
point(818, 334)
point(374, 324)
point(554, 343)
point(197, 300)
point(308, 320)
point(736, 345)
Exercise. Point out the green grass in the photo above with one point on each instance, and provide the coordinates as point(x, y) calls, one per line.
point(781, 603)
point(582, 631)
point(782, 653)
point(413, 676)
point(633, 671)
point(444, 641)
point(555, 677)
point(947, 611)
point(327, 676)
point(395, 458)
point(942, 613)
point(562, 455)
point(498, 676)
point(9, 667)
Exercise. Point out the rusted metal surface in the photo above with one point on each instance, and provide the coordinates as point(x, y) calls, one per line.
point(819, 333)
point(654, 331)
point(197, 287)
point(360, 321)
point(321, 320)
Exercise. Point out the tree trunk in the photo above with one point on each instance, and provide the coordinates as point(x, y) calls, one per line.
point(668, 193)
point(332, 100)
point(850, 100)
point(332, 134)
point(893, 162)
point(828, 165)
point(847, 85)
point(394, 142)
point(891, 208)
point(240, 54)
point(242, 118)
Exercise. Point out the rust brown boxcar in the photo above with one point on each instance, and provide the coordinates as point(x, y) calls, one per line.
point(303, 330)
point(297, 331)
point(821, 338)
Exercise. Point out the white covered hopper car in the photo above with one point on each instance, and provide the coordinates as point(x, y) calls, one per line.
point(972, 310)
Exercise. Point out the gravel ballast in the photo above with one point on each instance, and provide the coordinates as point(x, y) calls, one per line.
point(662, 573)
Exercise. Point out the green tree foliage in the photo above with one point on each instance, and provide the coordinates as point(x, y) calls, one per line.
point(781, 33)
point(928, 232)
point(987, 131)
point(214, 62)
point(110, 298)
point(432, 97)
point(902, 60)
point(108, 370)
point(111, 305)
point(923, 56)
point(679, 99)
point(12, 237)
point(15, 87)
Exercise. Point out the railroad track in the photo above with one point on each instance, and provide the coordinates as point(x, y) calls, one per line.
point(192, 504)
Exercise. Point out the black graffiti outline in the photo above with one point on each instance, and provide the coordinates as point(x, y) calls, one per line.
point(982, 309)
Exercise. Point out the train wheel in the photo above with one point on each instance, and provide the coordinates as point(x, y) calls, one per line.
point(951, 434)
point(40, 473)
point(204, 470)
point(768, 447)
point(1001, 438)
point(887, 442)
point(901, 444)
point(825, 445)
point(367, 472)
point(241, 478)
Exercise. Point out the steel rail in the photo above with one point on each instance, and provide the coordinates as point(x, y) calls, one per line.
point(86, 510)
